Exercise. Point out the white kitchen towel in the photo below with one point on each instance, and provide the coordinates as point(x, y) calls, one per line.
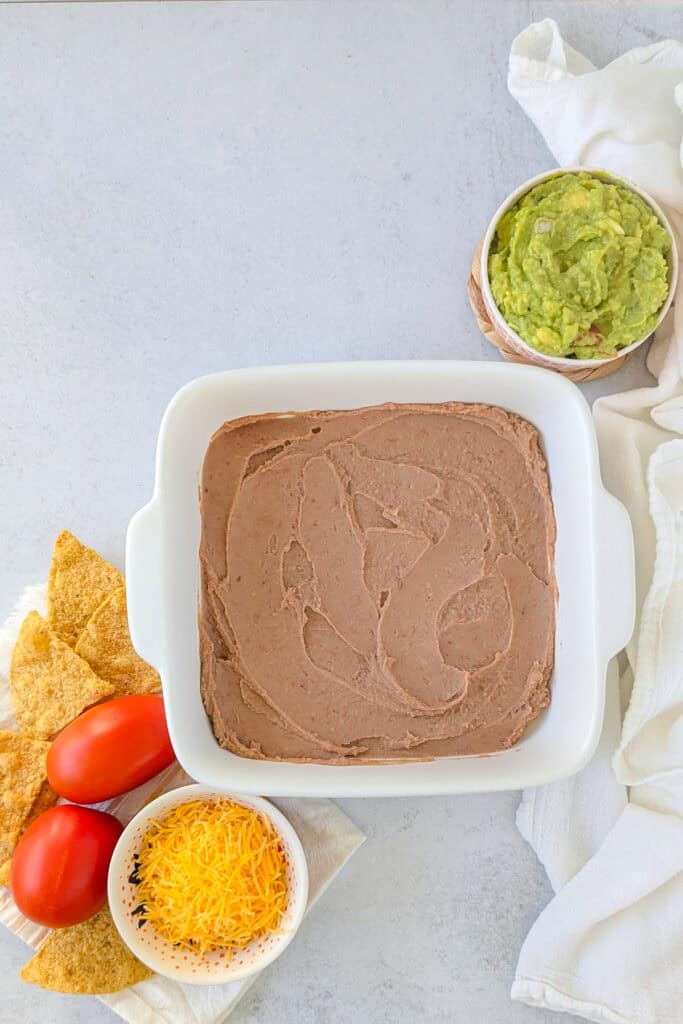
point(566, 822)
point(329, 838)
point(609, 947)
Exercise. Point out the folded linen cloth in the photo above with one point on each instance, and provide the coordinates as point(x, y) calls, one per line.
point(609, 947)
point(329, 838)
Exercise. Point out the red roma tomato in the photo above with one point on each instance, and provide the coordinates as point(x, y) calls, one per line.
point(110, 749)
point(58, 873)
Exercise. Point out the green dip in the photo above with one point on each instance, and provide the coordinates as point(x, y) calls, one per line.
point(580, 266)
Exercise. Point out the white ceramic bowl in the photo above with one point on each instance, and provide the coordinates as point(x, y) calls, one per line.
point(594, 567)
point(159, 954)
point(498, 320)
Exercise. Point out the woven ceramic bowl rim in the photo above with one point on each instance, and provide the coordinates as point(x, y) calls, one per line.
point(207, 970)
point(497, 317)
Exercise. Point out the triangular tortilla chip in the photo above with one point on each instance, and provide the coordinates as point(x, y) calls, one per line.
point(87, 959)
point(46, 798)
point(106, 646)
point(22, 774)
point(80, 579)
point(50, 684)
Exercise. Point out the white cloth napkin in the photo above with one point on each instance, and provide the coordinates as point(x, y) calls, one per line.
point(329, 838)
point(609, 947)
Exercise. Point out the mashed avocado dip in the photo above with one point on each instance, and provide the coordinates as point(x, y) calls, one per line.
point(580, 266)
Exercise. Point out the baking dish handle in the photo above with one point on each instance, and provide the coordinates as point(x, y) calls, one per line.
point(616, 585)
point(144, 584)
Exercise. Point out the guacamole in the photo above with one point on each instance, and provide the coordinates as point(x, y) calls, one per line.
point(579, 266)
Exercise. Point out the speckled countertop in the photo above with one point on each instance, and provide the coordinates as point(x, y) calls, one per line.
point(188, 187)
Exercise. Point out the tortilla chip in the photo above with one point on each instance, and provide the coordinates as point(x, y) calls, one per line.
point(46, 799)
point(22, 774)
point(106, 646)
point(88, 959)
point(50, 684)
point(80, 580)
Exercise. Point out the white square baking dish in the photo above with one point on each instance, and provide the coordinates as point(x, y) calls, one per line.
point(594, 567)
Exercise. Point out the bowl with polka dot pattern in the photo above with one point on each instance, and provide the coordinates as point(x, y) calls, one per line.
point(156, 951)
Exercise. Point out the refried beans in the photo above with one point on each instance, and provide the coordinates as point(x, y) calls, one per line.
point(377, 584)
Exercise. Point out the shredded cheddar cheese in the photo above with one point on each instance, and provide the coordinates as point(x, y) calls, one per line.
point(212, 876)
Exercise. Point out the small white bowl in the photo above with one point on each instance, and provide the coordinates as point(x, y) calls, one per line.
point(162, 956)
point(513, 339)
